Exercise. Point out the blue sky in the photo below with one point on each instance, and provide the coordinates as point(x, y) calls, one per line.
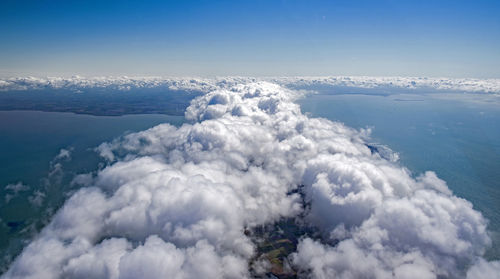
point(251, 38)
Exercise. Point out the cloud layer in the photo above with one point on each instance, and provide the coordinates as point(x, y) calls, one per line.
point(125, 83)
point(176, 202)
point(409, 83)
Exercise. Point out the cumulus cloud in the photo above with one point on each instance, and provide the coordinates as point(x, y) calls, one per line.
point(410, 83)
point(176, 202)
point(79, 84)
point(484, 270)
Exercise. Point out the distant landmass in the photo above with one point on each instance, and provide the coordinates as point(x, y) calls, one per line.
point(100, 102)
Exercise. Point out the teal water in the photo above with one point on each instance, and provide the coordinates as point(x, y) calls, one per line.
point(29, 144)
point(457, 136)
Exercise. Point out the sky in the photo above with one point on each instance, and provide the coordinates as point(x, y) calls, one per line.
point(250, 38)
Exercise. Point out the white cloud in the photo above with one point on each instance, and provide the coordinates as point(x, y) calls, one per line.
point(77, 84)
point(411, 83)
point(176, 201)
point(484, 270)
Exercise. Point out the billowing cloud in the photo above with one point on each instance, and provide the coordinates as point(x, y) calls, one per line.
point(484, 270)
point(77, 83)
point(178, 202)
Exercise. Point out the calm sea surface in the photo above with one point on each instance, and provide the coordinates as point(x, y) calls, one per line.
point(40, 182)
point(457, 136)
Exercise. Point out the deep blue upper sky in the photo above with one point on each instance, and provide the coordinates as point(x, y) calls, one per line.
point(416, 38)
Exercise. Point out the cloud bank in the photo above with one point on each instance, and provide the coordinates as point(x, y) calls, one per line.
point(177, 202)
point(125, 83)
point(409, 83)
